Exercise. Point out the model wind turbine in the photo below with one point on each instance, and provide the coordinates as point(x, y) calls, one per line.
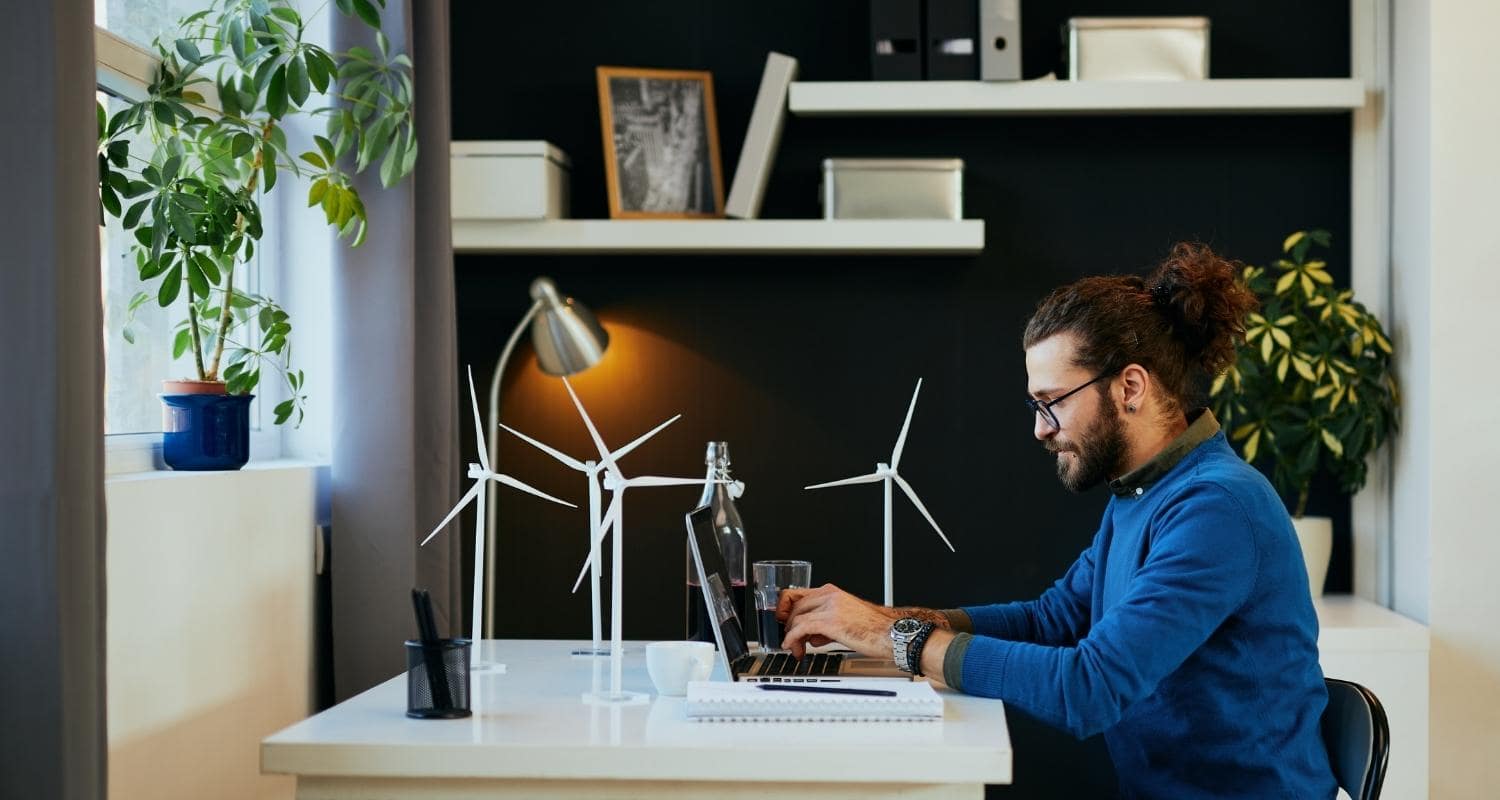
point(482, 474)
point(888, 473)
point(591, 470)
point(616, 482)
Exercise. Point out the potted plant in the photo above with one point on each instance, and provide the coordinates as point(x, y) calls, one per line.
point(1311, 388)
point(186, 179)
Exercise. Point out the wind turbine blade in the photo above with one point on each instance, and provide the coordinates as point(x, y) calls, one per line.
point(515, 484)
point(560, 456)
point(871, 478)
point(624, 451)
point(604, 526)
point(912, 493)
point(604, 456)
point(484, 450)
point(582, 573)
point(657, 480)
point(612, 514)
point(905, 426)
point(468, 498)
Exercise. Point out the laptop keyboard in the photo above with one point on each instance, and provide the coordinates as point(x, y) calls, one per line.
point(783, 664)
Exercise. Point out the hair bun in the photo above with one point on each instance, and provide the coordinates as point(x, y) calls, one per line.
point(1200, 294)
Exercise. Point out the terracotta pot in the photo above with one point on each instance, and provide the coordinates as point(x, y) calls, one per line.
point(193, 387)
point(1315, 534)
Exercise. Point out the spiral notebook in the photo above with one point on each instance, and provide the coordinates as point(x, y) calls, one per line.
point(718, 701)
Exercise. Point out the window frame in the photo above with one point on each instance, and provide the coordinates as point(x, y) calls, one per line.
point(125, 69)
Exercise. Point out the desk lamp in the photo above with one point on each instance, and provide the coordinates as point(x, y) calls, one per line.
point(568, 339)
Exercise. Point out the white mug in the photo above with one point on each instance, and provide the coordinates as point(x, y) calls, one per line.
point(672, 665)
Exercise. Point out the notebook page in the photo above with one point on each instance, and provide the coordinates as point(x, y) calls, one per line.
point(719, 701)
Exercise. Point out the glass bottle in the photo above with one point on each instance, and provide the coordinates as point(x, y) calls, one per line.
point(731, 533)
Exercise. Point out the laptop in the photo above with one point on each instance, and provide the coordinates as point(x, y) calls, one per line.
point(734, 651)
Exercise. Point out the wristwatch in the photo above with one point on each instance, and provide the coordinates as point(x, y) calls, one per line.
point(904, 632)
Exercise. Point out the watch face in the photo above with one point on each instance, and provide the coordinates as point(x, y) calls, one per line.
point(906, 626)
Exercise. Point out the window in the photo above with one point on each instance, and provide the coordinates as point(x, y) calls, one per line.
point(137, 356)
point(140, 21)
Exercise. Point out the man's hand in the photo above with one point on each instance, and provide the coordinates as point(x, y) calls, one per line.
point(829, 614)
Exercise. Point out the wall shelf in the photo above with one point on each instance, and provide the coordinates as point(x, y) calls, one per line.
point(721, 237)
point(980, 98)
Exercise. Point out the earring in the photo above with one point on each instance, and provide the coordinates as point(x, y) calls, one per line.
point(1131, 409)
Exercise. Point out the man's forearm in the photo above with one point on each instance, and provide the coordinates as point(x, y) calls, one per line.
point(934, 654)
point(947, 620)
point(932, 615)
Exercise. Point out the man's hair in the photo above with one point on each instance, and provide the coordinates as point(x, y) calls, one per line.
point(1181, 323)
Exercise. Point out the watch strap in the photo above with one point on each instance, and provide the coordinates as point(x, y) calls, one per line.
point(914, 650)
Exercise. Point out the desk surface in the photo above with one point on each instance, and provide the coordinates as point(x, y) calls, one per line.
point(531, 723)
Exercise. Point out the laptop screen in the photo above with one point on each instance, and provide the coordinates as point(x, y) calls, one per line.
point(714, 577)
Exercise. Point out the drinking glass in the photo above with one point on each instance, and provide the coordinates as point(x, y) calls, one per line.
point(770, 578)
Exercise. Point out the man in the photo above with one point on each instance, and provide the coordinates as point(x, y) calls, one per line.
point(1185, 633)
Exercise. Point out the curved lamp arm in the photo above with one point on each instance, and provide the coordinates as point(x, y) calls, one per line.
point(492, 432)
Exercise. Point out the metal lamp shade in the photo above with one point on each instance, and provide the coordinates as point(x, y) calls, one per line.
point(567, 337)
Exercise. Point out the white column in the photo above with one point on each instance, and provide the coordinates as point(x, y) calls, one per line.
point(1445, 285)
point(1370, 258)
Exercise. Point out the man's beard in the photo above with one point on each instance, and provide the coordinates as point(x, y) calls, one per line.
point(1098, 452)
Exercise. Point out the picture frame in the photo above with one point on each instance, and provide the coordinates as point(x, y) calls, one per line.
point(661, 143)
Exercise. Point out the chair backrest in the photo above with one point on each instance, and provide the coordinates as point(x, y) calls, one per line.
point(1358, 738)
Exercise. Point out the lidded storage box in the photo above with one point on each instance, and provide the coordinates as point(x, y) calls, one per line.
point(892, 188)
point(1137, 48)
point(509, 180)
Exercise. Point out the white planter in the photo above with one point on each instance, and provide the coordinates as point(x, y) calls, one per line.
point(1315, 534)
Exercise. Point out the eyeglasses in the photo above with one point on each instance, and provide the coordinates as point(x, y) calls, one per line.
point(1044, 408)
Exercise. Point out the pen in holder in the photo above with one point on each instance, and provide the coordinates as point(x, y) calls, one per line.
point(437, 679)
point(437, 670)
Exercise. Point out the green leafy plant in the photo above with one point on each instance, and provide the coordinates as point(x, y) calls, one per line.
point(1311, 387)
point(191, 200)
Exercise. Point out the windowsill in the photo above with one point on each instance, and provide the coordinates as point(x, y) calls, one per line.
point(269, 464)
point(140, 453)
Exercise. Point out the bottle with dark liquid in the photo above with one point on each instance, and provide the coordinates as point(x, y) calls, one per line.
point(731, 533)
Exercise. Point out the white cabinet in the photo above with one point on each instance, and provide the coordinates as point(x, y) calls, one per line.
point(1386, 653)
point(209, 642)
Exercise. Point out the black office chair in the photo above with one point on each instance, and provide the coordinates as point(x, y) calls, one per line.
point(1358, 738)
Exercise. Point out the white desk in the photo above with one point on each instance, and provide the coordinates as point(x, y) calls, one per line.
point(533, 736)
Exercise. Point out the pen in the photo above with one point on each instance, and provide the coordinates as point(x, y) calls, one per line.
point(432, 655)
point(788, 687)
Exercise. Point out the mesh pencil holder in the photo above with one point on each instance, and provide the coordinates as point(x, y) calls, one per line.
point(437, 679)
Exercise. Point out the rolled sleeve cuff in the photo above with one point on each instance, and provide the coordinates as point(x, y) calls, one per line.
point(953, 660)
point(958, 620)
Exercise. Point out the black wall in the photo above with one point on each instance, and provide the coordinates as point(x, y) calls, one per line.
point(805, 365)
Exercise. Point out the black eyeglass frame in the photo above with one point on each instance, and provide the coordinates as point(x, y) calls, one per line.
point(1044, 408)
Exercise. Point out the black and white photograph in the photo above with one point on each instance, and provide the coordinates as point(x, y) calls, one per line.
point(661, 143)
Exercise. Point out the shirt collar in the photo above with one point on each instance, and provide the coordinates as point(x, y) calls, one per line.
point(1202, 426)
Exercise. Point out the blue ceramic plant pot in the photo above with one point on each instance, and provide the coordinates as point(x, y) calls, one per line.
point(206, 431)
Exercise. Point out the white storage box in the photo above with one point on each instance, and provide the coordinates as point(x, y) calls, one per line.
point(1137, 48)
point(892, 188)
point(509, 180)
